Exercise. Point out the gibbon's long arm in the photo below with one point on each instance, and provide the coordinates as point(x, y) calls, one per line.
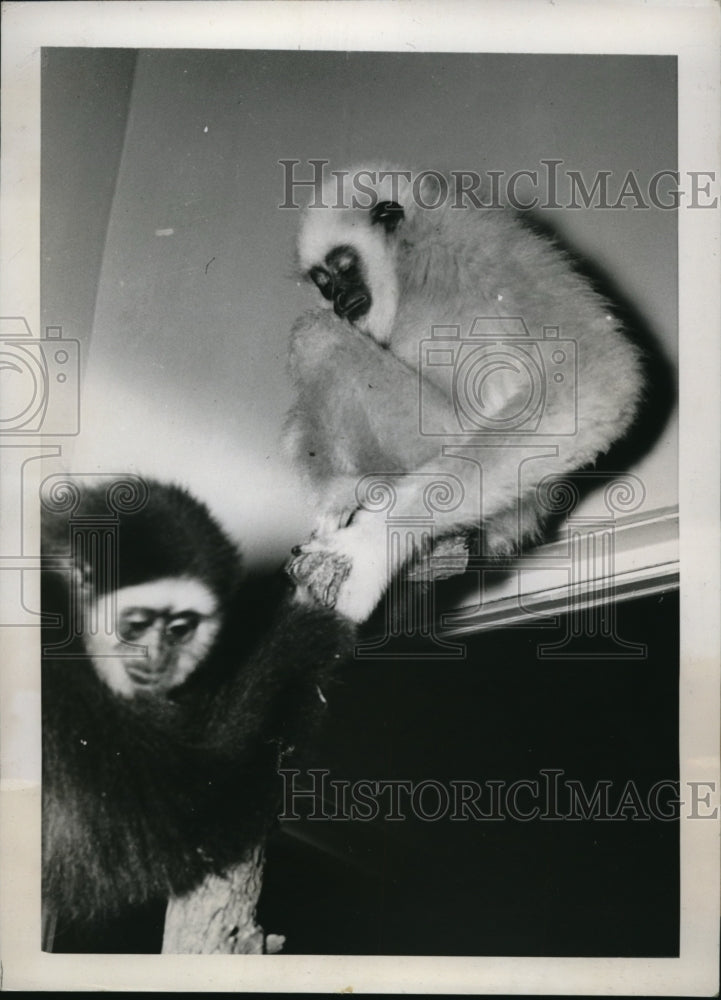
point(370, 421)
point(488, 476)
point(371, 416)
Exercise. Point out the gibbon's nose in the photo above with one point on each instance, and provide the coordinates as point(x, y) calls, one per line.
point(351, 305)
point(147, 670)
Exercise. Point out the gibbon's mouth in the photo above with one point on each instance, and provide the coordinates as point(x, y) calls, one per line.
point(141, 676)
point(353, 309)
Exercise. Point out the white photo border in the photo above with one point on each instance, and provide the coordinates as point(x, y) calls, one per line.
point(691, 33)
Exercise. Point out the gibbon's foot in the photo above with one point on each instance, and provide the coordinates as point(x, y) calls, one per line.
point(448, 558)
point(318, 574)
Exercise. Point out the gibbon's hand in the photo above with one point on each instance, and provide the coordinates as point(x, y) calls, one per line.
point(318, 575)
point(313, 336)
point(346, 570)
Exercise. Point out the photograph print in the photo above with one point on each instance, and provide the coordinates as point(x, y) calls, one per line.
point(359, 502)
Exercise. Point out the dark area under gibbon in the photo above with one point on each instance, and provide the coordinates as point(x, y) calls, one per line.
point(494, 887)
point(590, 887)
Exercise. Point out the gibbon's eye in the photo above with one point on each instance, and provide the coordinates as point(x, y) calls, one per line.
point(341, 261)
point(321, 277)
point(345, 263)
point(135, 622)
point(388, 214)
point(182, 627)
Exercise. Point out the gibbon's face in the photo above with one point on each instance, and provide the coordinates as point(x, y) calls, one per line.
point(163, 630)
point(342, 282)
point(349, 254)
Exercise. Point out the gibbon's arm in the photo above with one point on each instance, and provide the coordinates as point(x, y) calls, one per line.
point(145, 796)
point(497, 477)
point(359, 405)
point(274, 695)
point(358, 402)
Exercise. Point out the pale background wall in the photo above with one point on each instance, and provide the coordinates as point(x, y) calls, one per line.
point(185, 334)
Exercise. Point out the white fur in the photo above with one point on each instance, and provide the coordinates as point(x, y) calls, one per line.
point(358, 409)
point(113, 658)
point(369, 574)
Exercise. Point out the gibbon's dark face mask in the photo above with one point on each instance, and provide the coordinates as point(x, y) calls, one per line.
point(342, 280)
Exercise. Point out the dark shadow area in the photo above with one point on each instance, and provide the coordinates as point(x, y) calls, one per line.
point(137, 932)
point(501, 884)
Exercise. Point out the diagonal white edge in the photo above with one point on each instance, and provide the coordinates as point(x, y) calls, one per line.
point(593, 564)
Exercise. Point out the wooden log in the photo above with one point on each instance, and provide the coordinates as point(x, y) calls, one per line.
point(218, 917)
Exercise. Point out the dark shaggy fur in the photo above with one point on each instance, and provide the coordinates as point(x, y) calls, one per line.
point(172, 534)
point(143, 797)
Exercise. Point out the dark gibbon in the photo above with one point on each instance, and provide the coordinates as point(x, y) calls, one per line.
point(169, 697)
point(445, 329)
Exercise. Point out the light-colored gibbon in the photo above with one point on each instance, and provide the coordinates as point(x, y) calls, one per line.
point(444, 327)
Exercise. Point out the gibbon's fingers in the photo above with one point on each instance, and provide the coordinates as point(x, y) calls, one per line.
point(321, 573)
point(366, 571)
